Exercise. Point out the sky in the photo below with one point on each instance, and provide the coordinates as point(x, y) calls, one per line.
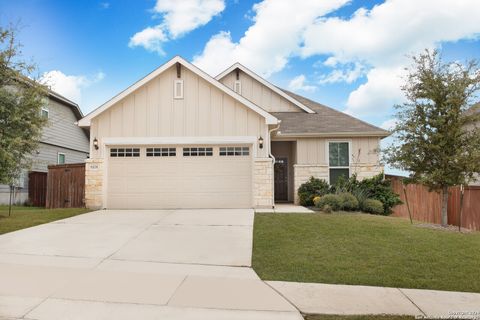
point(350, 55)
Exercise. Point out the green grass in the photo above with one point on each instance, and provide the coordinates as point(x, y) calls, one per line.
point(25, 217)
point(369, 317)
point(360, 249)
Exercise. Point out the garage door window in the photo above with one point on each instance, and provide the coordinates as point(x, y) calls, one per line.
point(200, 152)
point(161, 152)
point(234, 151)
point(124, 152)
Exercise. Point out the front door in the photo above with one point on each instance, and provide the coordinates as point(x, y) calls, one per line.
point(281, 179)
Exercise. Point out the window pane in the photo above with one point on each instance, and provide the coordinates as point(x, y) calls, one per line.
point(343, 154)
point(61, 159)
point(333, 154)
point(335, 174)
point(338, 154)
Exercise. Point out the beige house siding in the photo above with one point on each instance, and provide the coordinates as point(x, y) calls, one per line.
point(312, 159)
point(152, 111)
point(259, 94)
point(363, 150)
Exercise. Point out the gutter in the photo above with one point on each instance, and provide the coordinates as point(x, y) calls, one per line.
point(273, 159)
point(335, 134)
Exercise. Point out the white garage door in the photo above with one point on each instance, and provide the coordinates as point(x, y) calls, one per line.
point(160, 177)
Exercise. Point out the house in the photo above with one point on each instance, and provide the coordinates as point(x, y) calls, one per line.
point(474, 110)
point(179, 138)
point(62, 142)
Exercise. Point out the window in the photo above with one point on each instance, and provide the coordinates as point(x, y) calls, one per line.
point(201, 152)
point(338, 160)
point(178, 89)
point(237, 87)
point(125, 152)
point(161, 152)
point(234, 151)
point(61, 158)
point(44, 113)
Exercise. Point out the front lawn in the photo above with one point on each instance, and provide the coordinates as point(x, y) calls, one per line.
point(24, 217)
point(362, 249)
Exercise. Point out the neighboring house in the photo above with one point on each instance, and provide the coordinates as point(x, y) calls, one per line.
point(179, 138)
point(62, 142)
point(475, 109)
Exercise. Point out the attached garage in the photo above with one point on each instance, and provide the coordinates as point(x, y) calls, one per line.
point(179, 176)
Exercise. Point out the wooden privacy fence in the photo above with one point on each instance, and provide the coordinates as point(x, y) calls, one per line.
point(37, 188)
point(426, 206)
point(66, 186)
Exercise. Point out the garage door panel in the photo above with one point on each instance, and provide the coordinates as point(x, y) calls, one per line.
point(180, 182)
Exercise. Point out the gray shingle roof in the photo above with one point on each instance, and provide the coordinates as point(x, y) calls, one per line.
point(326, 121)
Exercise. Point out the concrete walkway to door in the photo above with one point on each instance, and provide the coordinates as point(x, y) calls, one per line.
point(172, 264)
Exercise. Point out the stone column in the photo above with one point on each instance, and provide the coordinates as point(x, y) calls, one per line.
point(94, 183)
point(263, 183)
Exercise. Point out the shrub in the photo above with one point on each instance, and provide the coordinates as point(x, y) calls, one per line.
point(332, 200)
point(310, 189)
point(327, 208)
point(380, 189)
point(373, 206)
point(348, 201)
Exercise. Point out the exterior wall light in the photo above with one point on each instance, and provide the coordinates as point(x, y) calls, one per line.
point(95, 143)
point(260, 143)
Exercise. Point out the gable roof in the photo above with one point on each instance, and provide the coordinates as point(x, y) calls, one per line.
point(265, 83)
point(269, 118)
point(69, 103)
point(325, 122)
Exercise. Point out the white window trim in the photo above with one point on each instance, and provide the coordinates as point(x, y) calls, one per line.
point(45, 109)
point(327, 157)
point(176, 94)
point(64, 158)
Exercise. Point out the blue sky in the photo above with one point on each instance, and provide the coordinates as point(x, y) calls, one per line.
point(349, 55)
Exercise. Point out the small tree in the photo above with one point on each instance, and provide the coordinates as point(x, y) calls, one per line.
point(438, 144)
point(21, 100)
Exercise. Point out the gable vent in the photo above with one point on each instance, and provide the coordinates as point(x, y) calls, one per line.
point(178, 89)
point(237, 87)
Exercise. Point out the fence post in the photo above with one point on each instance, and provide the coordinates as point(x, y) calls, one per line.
point(406, 200)
point(462, 189)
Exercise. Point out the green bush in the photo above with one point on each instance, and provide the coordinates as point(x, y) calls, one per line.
point(373, 206)
point(380, 189)
point(348, 201)
point(332, 200)
point(327, 208)
point(371, 188)
point(312, 188)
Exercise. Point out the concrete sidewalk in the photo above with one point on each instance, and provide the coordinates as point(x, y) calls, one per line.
point(317, 298)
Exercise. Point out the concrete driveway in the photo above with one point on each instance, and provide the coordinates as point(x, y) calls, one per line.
point(172, 264)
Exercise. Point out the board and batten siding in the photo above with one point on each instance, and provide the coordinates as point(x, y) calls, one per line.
point(61, 129)
point(259, 94)
point(364, 150)
point(152, 111)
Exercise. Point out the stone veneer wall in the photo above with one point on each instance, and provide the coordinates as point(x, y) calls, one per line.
point(94, 183)
point(303, 172)
point(262, 183)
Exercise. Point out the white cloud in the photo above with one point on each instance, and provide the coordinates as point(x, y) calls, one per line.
point(348, 74)
point(389, 124)
point(178, 18)
point(149, 38)
point(382, 37)
point(104, 5)
point(274, 37)
point(69, 86)
point(299, 84)
point(380, 92)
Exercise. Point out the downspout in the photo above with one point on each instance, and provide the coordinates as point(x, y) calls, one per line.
point(273, 159)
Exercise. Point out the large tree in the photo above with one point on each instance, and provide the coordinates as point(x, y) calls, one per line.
point(438, 142)
point(21, 100)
